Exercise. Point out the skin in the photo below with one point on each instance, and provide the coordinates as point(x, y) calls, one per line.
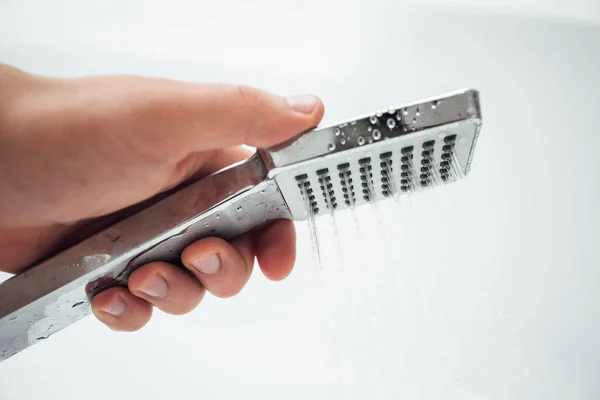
point(78, 154)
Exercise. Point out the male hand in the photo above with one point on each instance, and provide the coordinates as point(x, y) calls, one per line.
point(76, 153)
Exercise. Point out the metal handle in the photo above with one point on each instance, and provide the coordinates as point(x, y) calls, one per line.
point(56, 293)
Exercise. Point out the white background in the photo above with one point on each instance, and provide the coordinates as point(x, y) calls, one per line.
point(488, 289)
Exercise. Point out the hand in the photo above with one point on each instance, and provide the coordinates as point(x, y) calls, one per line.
point(76, 153)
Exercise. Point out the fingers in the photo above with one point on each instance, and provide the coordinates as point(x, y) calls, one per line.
point(167, 287)
point(275, 248)
point(159, 284)
point(221, 267)
point(213, 264)
point(120, 310)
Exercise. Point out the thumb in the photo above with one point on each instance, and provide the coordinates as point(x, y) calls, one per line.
point(233, 115)
point(186, 117)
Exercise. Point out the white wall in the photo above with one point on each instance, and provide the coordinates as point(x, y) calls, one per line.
point(491, 289)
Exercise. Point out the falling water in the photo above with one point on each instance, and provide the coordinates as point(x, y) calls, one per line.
point(334, 225)
point(396, 180)
point(312, 227)
point(456, 167)
point(435, 172)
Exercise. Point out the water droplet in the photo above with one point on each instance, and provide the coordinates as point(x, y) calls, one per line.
point(337, 131)
point(379, 114)
point(418, 112)
point(206, 224)
point(369, 140)
point(434, 106)
point(391, 110)
point(369, 128)
point(353, 123)
point(373, 119)
point(398, 117)
point(18, 342)
point(343, 141)
point(405, 112)
point(331, 147)
point(16, 317)
point(217, 216)
point(263, 191)
point(414, 121)
point(239, 208)
point(78, 304)
point(376, 134)
point(391, 123)
point(361, 140)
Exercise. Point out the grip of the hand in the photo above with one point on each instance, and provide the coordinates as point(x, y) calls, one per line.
point(55, 293)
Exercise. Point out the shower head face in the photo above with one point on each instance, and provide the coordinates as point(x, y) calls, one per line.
point(389, 153)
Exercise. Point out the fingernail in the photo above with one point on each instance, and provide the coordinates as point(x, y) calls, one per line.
point(156, 286)
point(208, 265)
point(116, 307)
point(304, 104)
